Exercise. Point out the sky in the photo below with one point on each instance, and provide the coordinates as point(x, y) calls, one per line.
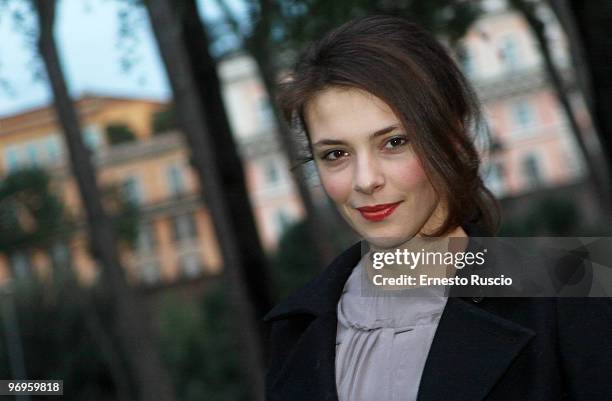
point(88, 38)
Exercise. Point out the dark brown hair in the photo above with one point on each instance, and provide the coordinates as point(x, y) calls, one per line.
point(408, 69)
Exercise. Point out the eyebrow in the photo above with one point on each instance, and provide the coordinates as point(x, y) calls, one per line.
point(375, 134)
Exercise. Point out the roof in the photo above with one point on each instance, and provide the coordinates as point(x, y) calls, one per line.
point(84, 98)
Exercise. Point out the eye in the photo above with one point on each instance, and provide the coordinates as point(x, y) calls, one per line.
point(396, 142)
point(334, 155)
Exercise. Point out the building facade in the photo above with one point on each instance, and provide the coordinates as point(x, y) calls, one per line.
point(175, 238)
point(532, 147)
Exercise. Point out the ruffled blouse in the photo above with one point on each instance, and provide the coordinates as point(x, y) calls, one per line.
point(383, 340)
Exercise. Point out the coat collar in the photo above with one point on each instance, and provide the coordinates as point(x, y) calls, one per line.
point(471, 350)
point(321, 295)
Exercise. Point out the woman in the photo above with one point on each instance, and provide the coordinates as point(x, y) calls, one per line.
point(387, 115)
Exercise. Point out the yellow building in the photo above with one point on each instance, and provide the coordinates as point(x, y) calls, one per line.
point(175, 236)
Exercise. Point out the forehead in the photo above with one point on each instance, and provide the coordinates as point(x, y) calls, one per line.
point(345, 113)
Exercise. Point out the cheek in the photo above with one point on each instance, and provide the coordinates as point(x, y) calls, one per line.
point(411, 176)
point(337, 185)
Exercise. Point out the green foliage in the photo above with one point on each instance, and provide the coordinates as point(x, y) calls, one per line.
point(164, 121)
point(126, 221)
point(448, 18)
point(559, 216)
point(294, 263)
point(30, 214)
point(119, 133)
point(125, 213)
point(279, 27)
point(33, 216)
point(56, 342)
point(199, 347)
point(548, 216)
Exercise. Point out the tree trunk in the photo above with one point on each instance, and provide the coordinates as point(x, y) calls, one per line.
point(132, 326)
point(198, 135)
point(595, 175)
point(318, 230)
point(257, 45)
point(102, 338)
point(592, 20)
point(208, 87)
point(66, 280)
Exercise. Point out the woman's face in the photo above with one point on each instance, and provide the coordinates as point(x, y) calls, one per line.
point(368, 167)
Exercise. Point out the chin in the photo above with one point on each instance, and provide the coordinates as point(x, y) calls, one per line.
point(385, 243)
point(385, 234)
point(386, 239)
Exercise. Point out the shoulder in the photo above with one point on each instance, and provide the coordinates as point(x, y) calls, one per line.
point(559, 313)
point(585, 347)
point(585, 319)
point(290, 319)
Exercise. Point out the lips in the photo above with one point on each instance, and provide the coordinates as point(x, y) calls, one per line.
point(378, 212)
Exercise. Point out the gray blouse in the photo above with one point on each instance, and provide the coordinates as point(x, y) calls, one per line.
point(382, 341)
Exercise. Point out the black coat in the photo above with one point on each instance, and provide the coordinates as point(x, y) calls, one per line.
point(531, 349)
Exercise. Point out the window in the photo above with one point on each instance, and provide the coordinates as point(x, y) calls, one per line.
point(92, 138)
point(132, 190)
point(149, 272)
point(494, 178)
point(145, 241)
point(184, 227)
point(176, 179)
point(190, 265)
point(12, 158)
point(531, 171)
point(60, 256)
point(53, 150)
point(32, 154)
point(509, 52)
point(466, 58)
point(282, 222)
point(271, 172)
point(522, 114)
point(573, 160)
point(265, 114)
point(20, 264)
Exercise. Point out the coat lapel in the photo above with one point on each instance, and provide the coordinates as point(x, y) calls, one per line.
point(471, 350)
point(309, 372)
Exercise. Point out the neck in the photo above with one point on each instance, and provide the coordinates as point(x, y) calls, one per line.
point(432, 252)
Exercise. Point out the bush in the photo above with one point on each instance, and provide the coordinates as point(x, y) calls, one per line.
point(294, 263)
point(119, 133)
point(199, 346)
point(548, 216)
point(164, 121)
point(56, 342)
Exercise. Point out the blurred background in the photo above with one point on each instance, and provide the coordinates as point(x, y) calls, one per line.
point(152, 203)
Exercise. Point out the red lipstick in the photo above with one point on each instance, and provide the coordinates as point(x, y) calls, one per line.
point(378, 212)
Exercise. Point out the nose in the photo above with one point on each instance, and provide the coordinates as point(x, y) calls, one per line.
point(368, 177)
